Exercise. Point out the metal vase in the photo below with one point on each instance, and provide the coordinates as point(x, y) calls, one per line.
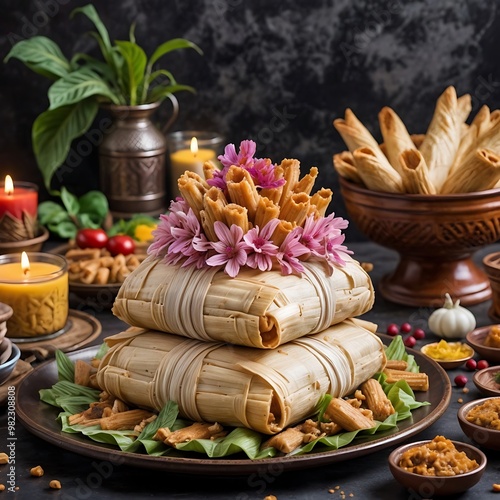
point(132, 162)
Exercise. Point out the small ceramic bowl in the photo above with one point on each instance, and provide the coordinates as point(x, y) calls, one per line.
point(7, 367)
point(448, 364)
point(484, 380)
point(486, 438)
point(476, 340)
point(430, 486)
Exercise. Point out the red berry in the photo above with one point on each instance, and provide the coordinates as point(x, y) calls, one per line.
point(471, 364)
point(410, 341)
point(460, 380)
point(405, 328)
point(482, 364)
point(419, 334)
point(392, 329)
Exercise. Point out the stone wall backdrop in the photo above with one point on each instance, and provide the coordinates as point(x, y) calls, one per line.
point(277, 72)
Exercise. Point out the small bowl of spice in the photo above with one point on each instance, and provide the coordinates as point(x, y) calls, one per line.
point(480, 421)
point(485, 340)
point(448, 354)
point(437, 467)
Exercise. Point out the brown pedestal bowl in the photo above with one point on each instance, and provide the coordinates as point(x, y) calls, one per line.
point(435, 237)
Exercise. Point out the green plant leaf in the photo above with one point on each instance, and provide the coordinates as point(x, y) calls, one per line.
point(102, 34)
point(131, 32)
point(171, 45)
point(88, 221)
point(65, 367)
point(77, 86)
point(133, 70)
point(70, 201)
point(50, 211)
point(160, 92)
point(94, 202)
point(94, 64)
point(64, 229)
point(54, 130)
point(160, 72)
point(41, 55)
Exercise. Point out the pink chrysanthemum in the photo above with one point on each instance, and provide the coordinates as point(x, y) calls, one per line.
point(263, 173)
point(260, 248)
point(230, 249)
point(290, 251)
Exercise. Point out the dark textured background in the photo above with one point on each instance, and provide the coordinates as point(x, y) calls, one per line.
point(277, 72)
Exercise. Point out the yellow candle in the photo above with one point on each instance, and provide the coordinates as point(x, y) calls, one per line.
point(188, 159)
point(37, 292)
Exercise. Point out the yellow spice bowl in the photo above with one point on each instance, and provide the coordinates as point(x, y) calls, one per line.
point(448, 364)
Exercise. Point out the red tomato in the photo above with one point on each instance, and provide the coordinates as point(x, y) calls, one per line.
point(91, 238)
point(121, 243)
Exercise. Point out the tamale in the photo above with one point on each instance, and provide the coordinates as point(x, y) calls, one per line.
point(255, 309)
point(264, 390)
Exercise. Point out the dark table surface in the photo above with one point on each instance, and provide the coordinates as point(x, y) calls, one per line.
point(365, 477)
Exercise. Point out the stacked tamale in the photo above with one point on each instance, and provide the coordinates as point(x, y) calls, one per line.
point(242, 313)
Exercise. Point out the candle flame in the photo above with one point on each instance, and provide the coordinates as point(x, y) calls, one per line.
point(25, 263)
point(194, 145)
point(9, 185)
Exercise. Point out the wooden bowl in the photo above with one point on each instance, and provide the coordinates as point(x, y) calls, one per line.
point(491, 263)
point(31, 245)
point(476, 340)
point(484, 437)
point(448, 364)
point(435, 237)
point(431, 486)
point(485, 382)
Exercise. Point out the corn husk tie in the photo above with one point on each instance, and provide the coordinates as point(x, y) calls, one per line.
point(264, 390)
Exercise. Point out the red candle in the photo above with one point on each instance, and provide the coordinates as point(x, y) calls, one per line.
point(19, 197)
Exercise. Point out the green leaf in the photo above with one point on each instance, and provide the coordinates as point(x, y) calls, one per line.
point(70, 201)
point(159, 92)
point(77, 86)
point(42, 55)
point(65, 367)
point(94, 202)
point(171, 45)
point(94, 64)
point(49, 211)
point(53, 132)
point(133, 69)
point(88, 221)
point(131, 32)
point(396, 350)
point(160, 72)
point(102, 34)
point(64, 229)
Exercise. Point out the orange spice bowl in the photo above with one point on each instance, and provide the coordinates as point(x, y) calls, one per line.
point(435, 237)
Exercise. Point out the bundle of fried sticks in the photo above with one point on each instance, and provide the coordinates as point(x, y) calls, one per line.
point(451, 157)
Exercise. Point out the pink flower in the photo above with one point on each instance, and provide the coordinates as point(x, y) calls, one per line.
point(243, 159)
point(203, 249)
point(335, 252)
point(263, 173)
point(289, 251)
point(260, 248)
point(230, 248)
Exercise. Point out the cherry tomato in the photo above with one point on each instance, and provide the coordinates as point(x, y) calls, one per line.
point(392, 329)
point(91, 238)
point(419, 334)
point(410, 341)
point(461, 380)
point(471, 364)
point(482, 364)
point(121, 243)
point(405, 328)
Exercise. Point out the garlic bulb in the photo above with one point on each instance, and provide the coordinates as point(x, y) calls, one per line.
point(452, 320)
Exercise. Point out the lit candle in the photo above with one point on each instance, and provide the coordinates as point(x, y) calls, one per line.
point(188, 159)
point(35, 285)
point(18, 197)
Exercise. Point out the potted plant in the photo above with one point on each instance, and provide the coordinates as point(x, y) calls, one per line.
point(127, 84)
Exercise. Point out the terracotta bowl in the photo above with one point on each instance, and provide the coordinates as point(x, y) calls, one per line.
point(485, 382)
point(476, 340)
point(486, 438)
point(448, 364)
point(430, 486)
point(7, 367)
point(31, 245)
point(491, 263)
point(435, 237)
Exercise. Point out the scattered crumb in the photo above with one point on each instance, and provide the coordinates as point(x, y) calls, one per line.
point(460, 400)
point(367, 266)
point(331, 490)
point(4, 458)
point(37, 471)
point(17, 488)
point(496, 487)
point(2, 487)
point(271, 497)
point(465, 390)
point(55, 484)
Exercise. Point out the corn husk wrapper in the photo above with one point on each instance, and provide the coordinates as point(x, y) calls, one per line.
point(256, 309)
point(239, 386)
